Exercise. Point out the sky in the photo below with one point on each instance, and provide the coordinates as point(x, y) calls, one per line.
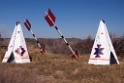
point(74, 18)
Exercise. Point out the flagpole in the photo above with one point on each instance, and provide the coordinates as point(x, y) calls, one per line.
point(28, 26)
point(74, 54)
point(64, 40)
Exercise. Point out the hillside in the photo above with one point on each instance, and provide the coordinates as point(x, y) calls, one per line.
point(58, 67)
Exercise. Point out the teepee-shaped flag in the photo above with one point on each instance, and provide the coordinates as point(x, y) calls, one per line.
point(103, 52)
point(17, 50)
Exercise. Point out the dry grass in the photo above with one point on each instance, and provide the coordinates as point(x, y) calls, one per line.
point(53, 68)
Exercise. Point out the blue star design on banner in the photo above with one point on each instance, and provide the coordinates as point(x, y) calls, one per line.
point(98, 51)
point(20, 51)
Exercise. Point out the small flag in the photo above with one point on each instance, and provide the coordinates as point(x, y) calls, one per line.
point(50, 18)
point(27, 24)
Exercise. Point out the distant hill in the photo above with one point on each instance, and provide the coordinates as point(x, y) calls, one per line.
point(58, 46)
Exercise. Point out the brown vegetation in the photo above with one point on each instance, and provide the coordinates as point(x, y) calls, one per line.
point(56, 67)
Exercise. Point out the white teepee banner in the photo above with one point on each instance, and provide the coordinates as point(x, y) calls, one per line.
point(103, 52)
point(17, 50)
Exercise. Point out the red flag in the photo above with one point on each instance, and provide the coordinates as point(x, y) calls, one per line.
point(27, 24)
point(75, 55)
point(50, 18)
